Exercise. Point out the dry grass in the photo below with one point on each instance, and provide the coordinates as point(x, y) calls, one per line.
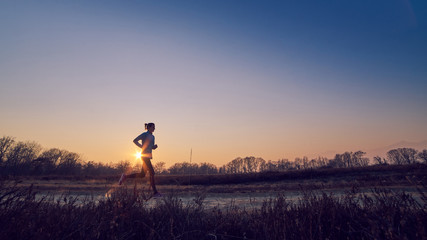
point(383, 214)
point(372, 176)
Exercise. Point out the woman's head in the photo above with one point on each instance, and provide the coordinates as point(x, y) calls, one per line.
point(150, 127)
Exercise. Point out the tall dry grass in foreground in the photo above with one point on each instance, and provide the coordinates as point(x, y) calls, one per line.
point(126, 215)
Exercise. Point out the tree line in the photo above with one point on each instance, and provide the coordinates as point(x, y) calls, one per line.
point(29, 158)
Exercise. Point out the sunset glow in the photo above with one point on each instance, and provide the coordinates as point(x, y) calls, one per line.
point(223, 79)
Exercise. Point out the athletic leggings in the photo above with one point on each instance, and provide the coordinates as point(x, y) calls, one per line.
point(146, 167)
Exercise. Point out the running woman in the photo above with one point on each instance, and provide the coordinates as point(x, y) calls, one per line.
point(145, 141)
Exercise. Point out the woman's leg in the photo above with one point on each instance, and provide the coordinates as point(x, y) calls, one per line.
point(148, 167)
point(138, 175)
point(133, 175)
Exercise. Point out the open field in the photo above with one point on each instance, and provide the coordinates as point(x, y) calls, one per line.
point(248, 190)
point(321, 179)
point(127, 214)
point(387, 202)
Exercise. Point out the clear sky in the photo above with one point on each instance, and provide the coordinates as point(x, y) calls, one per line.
point(227, 79)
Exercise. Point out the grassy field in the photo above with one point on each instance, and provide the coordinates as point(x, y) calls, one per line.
point(321, 179)
point(125, 214)
point(384, 213)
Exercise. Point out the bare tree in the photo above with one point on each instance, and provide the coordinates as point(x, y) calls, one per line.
point(123, 166)
point(286, 164)
point(70, 162)
point(90, 168)
point(359, 160)
point(423, 155)
point(298, 163)
point(379, 160)
point(247, 165)
point(184, 168)
point(305, 162)
point(160, 168)
point(402, 156)
point(208, 168)
point(321, 161)
point(251, 164)
point(270, 166)
point(5, 144)
point(349, 159)
point(235, 166)
point(52, 155)
point(21, 155)
point(337, 162)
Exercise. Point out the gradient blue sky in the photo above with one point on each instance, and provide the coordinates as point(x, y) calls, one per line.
point(271, 79)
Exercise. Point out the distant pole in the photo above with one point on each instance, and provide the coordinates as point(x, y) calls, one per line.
point(189, 177)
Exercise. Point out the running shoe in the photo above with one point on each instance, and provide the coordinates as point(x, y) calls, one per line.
point(122, 179)
point(157, 195)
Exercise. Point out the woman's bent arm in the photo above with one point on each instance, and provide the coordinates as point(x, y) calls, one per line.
point(136, 141)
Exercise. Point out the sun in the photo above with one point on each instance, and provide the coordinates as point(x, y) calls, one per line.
point(138, 155)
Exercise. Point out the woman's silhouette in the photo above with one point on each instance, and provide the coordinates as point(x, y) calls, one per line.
point(146, 142)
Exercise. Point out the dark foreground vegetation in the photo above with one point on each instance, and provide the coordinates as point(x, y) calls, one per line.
point(126, 214)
